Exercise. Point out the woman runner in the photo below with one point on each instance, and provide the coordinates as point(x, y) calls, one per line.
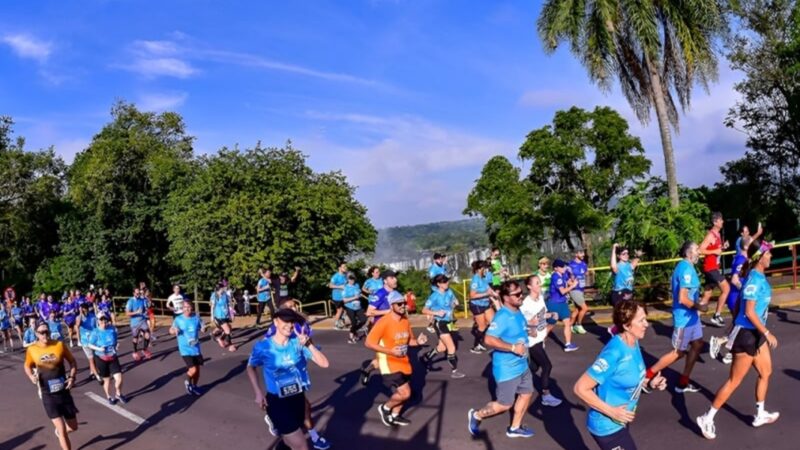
point(440, 306)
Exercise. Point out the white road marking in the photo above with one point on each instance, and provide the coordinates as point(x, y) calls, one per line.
point(116, 408)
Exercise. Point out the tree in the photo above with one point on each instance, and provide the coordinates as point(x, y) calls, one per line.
point(117, 187)
point(263, 206)
point(656, 50)
point(31, 190)
point(767, 51)
point(579, 165)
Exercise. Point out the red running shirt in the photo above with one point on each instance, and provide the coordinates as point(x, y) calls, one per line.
point(711, 262)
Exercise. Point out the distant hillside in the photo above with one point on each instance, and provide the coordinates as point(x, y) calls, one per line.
point(408, 242)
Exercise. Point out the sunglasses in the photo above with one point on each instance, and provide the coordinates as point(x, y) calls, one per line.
point(515, 294)
point(399, 304)
point(42, 331)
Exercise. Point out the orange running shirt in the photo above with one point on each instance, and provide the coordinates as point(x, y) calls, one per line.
point(49, 360)
point(391, 332)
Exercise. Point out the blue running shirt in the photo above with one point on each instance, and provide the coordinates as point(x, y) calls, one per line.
point(623, 278)
point(481, 286)
point(284, 367)
point(756, 289)
point(684, 277)
point(221, 305)
point(189, 329)
point(338, 279)
point(263, 296)
point(619, 371)
point(441, 301)
point(353, 290)
point(105, 339)
point(138, 305)
point(578, 269)
point(372, 285)
point(511, 327)
point(558, 281)
point(88, 324)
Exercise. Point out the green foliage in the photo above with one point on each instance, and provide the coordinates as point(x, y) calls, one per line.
point(579, 164)
point(31, 186)
point(245, 209)
point(117, 187)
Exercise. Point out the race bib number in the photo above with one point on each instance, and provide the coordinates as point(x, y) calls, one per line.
point(55, 385)
point(403, 349)
point(581, 283)
point(288, 385)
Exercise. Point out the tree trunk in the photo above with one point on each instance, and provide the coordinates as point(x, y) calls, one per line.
point(666, 137)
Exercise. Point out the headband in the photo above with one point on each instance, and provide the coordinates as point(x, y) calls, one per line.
point(765, 247)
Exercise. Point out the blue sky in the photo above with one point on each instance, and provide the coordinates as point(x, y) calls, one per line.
point(408, 98)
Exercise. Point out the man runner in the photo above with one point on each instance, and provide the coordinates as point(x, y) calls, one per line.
point(390, 339)
point(578, 270)
point(187, 328)
point(712, 248)
point(337, 283)
point(508, 336)
point(136, 308)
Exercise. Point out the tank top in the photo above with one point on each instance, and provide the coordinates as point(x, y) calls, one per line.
point(711, 262)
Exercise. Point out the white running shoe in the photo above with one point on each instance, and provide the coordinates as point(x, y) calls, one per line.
point(728, 358)
point(688, 388)
point(550, 400)
point(706, 427)
point(713, 347)
point(765, 418)
point(717, 321)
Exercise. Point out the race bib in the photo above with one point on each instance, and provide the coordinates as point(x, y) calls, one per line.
point(403, 349)
point(56, 385)
point(582, 283)
point(109, 349)
point(289, 384)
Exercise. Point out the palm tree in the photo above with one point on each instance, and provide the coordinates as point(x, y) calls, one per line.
point(656, 50)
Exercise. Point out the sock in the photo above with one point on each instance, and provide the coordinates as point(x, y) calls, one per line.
point(452, 359)
point(759, 408)
point(135, 346)
point(650, 374)
point(711, 412)
point(684, 381)
point(146, 344)
point(313, 433)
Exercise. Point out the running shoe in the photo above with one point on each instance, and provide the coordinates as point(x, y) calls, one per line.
point(321, 444)
point(521, 432)
point(570, 347)
point(477, 350)
point(728, 358)
point(482, 348)
point(188, 386)
point(231, 348)
point(364, 377)
point(688, 388)
point(136, 357)
point(550, 400)
point(339, 325)
point(196, 391)
point(578, 329)
point(431, 329)
point(400, 421)
point(270, 426)
point(351, 340)
point(121, 399)
point(147, 354)
point(99, 379)
point(713, 347)
point(765, 418)
point(473, 424)
point(456, 374)
point(386, 415)
point(717, 321)
point(706, 427)
point(112, 401)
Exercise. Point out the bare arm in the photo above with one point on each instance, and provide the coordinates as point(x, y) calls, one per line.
point(708, 240)
point(374, 312)
point(584, 389)
point(318, 357)
point(614, 258)
point(499, 344)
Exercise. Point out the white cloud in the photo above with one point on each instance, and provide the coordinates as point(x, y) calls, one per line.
point(27, 46)
point(153, 59)
point(159, 102)
point(68, 148)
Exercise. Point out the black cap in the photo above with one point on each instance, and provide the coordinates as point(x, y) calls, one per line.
point(438, 255)
point(559, 263)
point(289, 315)
point(388, 273)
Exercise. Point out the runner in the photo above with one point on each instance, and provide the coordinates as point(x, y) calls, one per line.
point(745, 239)
point(535, 311)
point(187, 328)
point(5, 329)
point(151, 315)
point(9, 296)
point(264, 294)
point(508, 336)
point(560, 285)
point(17, 319)
point(437, 267)
point(283, 361)
point(711, 248)
point(499, 273)
point(106, 308)
point(57, 332)
point(752, 342)
point(733, 301)
point(479, 305)
point(611, 386)
point(578, 269)
point(220, 304)
point(49, 306)
point(338, 281)
point(28, 310)
point(544, 274)
point(70, 311)
point(103, 340)
point(390, 338)
point(135, 309)
point(687, 336)
point(175, 301)
point(440, 306)
point(29, 338)
point(283, 286)
point(379, 306)
point(373, 283)
point(623, 268)
point(86, 323)
point(47, 358)
point(351, 297)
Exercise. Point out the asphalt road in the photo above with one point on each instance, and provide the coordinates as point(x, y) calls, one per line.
point(345, 411)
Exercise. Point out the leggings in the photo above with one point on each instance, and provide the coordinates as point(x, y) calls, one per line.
point(620, 440)
point(260, 310)
point(357, 319)
point(539, 359)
